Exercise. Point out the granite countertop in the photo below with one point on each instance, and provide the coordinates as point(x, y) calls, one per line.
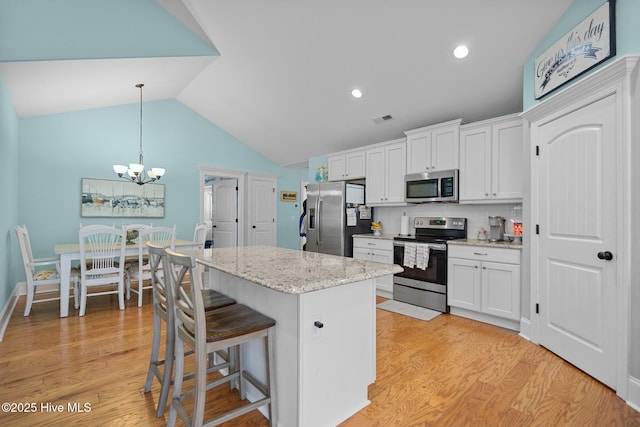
point(382, 236)
point(486, 243)
point(291, 271)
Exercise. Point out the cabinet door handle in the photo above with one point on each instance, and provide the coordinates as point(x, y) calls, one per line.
point(371, 244)
point(475, 266)
point(479, 253)
point(318, 324)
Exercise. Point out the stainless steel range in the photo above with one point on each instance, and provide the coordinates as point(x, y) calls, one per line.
point(424, 279)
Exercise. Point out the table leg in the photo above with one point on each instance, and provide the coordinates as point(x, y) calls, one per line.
point(65, 279)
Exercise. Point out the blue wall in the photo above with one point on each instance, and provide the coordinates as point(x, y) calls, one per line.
point(56, 151)
point(627, 37)
point(9, 255)
point(87, 29)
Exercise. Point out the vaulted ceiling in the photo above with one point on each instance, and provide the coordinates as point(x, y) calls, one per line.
point(277, 74)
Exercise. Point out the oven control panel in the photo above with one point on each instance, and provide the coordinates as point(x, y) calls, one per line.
point(447, 223)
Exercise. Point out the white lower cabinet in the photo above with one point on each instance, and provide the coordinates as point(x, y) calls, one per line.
point(484, 284)
point(378, 250)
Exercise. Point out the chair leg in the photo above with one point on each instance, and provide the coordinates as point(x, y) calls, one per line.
point(270, 383)
point(76, 289)
point(168, 370)
point(140, 286)
point(30, 296)
point(240, 368)
point(127, 280)
point(177, 384)
point(200, 387)
point(155, 349)
point(121, 294)
point(83, 299)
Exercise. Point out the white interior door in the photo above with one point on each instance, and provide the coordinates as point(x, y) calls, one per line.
point(262, 211)
point(225, 218)
point(207, 216)
point(577, 219)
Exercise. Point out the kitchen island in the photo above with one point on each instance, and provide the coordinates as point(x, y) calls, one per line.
point(325, 339)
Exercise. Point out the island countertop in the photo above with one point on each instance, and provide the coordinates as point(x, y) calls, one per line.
point(291, 271)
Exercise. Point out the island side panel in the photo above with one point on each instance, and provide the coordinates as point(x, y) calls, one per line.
point(337, 361)
point(283, 308)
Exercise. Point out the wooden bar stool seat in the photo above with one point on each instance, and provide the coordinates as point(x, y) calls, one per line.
point(162, 311)
point(207, 333)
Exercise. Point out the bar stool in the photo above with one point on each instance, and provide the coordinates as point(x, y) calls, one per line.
point(163, 310)
point(206, 333)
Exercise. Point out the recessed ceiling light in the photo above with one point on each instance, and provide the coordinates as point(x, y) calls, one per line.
point(460, 51)
point(356, 93)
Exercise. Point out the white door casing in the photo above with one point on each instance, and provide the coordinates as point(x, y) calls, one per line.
point(577, 218)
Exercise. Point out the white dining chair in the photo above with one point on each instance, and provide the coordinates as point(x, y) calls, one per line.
point(140, 269)
point(41, 272)
point(200, 235)
point(133, 230)
point(102, 252)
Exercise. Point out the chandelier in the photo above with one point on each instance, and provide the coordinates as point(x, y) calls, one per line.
point(135, 171)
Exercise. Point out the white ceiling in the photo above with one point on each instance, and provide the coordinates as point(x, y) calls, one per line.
point(286, 68)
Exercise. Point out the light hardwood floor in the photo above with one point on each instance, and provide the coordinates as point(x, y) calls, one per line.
point(447, 372)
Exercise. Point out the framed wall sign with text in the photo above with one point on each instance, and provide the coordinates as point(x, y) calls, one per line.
point(585, 46)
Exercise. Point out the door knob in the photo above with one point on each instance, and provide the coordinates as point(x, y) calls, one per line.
point(606, 255)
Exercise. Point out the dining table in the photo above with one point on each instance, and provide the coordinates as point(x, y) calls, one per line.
point(70, 252)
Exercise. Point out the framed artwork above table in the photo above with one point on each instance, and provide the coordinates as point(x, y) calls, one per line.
point(107, 198)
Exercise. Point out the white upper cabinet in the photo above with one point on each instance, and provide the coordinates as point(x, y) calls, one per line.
point(491, 161)
point(386, 167)
point(347, 165)
point(433, 148)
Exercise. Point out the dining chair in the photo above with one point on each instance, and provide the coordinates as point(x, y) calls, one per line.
point(200, 235)
point(206, 333)
point(133, 230)
point(140, 269)
point(37, 275)
point(163, 310)
point(102, 251)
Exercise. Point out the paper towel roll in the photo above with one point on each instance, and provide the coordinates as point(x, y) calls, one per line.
point(404, 225)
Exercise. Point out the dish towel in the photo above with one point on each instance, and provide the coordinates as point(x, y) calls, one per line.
point(409, 255)
point(422, 256)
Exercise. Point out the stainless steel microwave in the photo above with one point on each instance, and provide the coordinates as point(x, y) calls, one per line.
point(440, 186)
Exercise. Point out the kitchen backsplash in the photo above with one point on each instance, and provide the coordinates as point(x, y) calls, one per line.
point(477, 215)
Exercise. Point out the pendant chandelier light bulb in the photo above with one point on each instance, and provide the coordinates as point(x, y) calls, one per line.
point(135, 171)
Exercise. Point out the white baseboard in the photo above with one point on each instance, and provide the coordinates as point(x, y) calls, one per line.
point(486, 318)
point(633, 397)
point(525, 328)
point(384, 293)
point(9, 306)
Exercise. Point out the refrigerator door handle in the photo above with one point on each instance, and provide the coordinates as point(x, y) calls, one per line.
point(319, 219)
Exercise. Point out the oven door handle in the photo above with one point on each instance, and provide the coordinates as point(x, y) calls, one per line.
point(434, 246)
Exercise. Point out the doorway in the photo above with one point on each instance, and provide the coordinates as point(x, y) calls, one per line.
point(577, 216)
point(222, 206)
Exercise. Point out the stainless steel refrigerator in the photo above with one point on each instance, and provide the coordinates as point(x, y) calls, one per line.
point(335, 211)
